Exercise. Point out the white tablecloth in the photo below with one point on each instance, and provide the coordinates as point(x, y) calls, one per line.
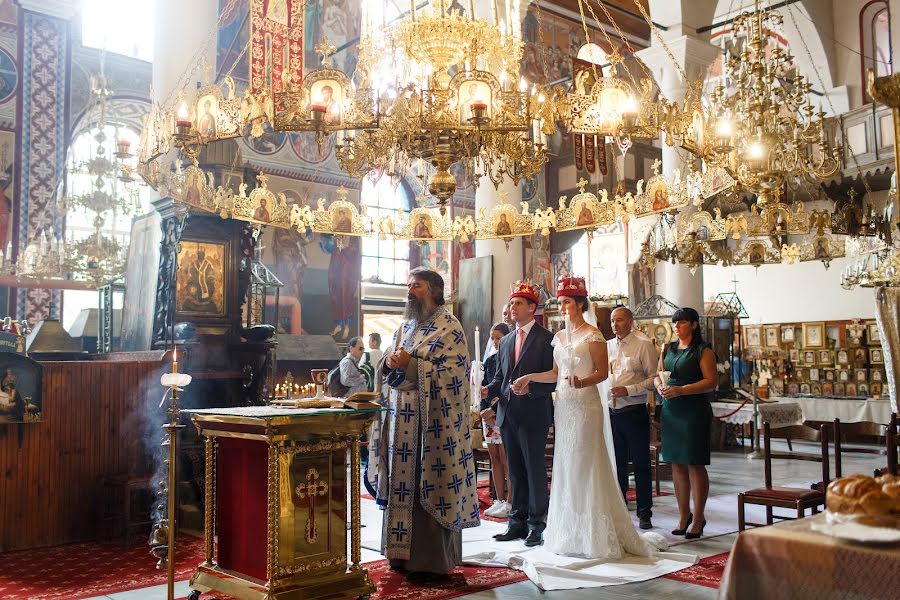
point(778, 414)
point(848, 410)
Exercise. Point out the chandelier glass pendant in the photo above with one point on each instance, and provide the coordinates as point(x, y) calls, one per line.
point(449, 92)
point(764, 128)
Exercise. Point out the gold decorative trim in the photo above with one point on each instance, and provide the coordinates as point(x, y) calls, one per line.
point(287, 571)
point(702, 226)
point(272, 517)
point(211, 445)
point(586, 211)
point(292, 448)
point(777, 218)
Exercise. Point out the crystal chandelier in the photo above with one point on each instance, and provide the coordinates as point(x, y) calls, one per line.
point(761, 123)
point(449, 93)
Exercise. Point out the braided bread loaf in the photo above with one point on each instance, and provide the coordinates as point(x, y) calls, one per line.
point(864, 496)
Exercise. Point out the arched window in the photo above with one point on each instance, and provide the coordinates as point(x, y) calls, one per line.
point(875, 41)
point(88, 172)
point(385, 261)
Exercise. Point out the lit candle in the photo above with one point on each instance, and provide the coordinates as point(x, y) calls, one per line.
point(174, 358)
point(477, 344)
point(183, 119)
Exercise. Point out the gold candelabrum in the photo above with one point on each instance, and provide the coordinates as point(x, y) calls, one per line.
point(162, 539)
point(448, 91)
point(760, 123)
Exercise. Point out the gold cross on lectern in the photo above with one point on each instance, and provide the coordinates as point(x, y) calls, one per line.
point(312, 488)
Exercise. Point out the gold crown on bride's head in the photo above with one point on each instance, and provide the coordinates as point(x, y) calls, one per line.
point(571, 287)
point(524, 289)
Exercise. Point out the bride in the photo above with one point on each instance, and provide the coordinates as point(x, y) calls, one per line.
point(587, 517)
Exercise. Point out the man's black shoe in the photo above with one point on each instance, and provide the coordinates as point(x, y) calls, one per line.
point(534, 539)
point(423, 577)
point(645, 523)
point(512, 534)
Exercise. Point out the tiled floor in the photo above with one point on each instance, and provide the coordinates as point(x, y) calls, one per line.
point(730, 473)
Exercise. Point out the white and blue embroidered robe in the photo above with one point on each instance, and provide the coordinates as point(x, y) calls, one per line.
point(431, 422)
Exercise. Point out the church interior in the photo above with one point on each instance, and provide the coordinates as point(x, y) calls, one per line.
point(259, 254)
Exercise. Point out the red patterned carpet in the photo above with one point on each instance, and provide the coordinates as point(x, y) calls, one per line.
point(94, 569)
point(90, 569)
point(461, 582)
point(708, 572)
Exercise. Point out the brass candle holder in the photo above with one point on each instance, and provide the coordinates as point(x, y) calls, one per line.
point(163, 536)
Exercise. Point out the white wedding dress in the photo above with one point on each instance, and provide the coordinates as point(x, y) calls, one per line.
point(587, 516)
point(590, 540)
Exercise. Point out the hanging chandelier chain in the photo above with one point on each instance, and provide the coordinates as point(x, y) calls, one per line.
point(194, 63)
point(622, 37)
point(541, 45)
point(806, 49)
point(665, 46)
point(615, 58)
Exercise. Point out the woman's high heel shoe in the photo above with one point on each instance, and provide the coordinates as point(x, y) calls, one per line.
point(693, 536)
point(688, 524)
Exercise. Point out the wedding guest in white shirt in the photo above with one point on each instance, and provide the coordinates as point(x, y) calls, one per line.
point(633, 365)
point(374, 353)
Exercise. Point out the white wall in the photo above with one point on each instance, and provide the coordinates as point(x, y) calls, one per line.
point(791, 293)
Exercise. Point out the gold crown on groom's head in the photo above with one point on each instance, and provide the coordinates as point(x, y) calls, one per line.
point(571, 287)
point(524, 289)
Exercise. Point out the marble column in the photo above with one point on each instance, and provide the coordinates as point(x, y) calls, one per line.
point(507, 262)
point(43, 118)
point(675, 282)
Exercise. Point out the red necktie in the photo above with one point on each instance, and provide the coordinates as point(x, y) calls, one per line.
point(520, 337)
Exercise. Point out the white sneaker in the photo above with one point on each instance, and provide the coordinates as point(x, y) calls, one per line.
point(496, 506)
point(503, 511)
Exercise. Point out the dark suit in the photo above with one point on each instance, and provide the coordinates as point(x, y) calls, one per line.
point(524, 422)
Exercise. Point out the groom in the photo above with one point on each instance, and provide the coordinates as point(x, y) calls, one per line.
point(524, 416)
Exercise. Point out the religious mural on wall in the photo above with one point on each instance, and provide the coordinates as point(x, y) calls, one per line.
point(337, 20)
point(321, 277)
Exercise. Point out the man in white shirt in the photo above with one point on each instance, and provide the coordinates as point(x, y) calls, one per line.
point(633, 364)
point(374, 352)
point(351, 376)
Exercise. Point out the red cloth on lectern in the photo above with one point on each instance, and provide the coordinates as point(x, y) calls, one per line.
point(241, 492)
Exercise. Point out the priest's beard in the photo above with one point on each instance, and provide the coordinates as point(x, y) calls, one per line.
point(417, 310)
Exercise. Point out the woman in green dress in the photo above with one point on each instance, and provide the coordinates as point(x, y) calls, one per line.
point(686, 417)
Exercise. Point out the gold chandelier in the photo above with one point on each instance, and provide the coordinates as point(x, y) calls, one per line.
point(448, 92)
point(760, 122)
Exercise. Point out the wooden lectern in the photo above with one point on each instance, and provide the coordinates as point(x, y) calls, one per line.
point(276, 502)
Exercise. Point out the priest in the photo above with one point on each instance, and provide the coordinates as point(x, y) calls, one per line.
point(421, 465)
